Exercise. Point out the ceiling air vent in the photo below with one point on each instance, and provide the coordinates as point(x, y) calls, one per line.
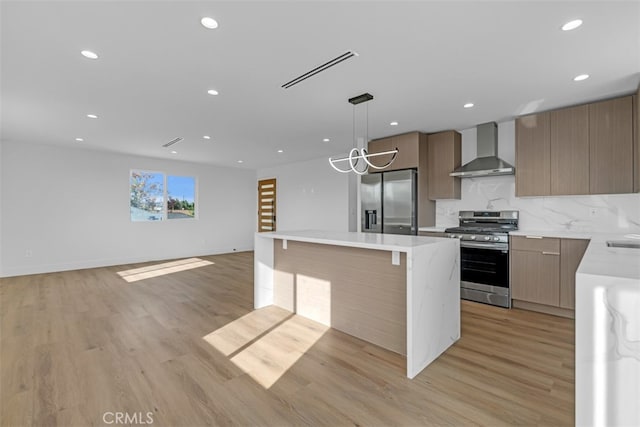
point(173, 141)
point(325, 66)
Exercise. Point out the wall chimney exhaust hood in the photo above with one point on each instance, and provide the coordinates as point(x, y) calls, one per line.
point(487, 163)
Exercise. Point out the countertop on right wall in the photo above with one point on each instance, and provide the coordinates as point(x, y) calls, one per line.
point(608, 333)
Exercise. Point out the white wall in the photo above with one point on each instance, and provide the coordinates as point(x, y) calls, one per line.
point(67, 208)
point(618, 212)
point(1, 181)
point(311, 195)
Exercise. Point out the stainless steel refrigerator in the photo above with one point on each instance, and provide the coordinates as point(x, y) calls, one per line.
point(389, 202)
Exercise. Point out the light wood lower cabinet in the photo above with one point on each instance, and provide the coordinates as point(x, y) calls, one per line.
point(535, 270)
point(571, 253)
point(543, 272)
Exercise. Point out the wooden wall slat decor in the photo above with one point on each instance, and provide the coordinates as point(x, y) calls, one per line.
point(267, 205)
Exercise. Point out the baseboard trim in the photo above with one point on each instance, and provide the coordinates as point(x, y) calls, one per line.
point(83, 265)
point(541, 308)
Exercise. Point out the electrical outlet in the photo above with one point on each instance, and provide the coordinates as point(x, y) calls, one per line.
point(594, 212)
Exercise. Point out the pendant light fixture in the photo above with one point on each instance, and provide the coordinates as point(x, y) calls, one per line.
point(356, 154)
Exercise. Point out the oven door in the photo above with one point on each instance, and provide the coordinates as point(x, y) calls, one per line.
point(485, 263)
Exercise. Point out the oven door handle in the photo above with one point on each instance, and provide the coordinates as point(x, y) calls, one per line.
point(490, 246)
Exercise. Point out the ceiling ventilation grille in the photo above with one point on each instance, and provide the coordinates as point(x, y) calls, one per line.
point(323, 67)
point(173, 141)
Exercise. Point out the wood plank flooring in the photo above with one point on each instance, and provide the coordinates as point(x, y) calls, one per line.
point(185, 345)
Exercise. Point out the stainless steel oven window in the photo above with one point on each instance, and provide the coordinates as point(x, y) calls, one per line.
point(486, 266)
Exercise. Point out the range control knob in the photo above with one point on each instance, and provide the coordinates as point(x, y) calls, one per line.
point(496, 239)
point(487, 237)
point(472, 237)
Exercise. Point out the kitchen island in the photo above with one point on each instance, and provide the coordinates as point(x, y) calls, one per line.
point(399, 292)
point(607, 332)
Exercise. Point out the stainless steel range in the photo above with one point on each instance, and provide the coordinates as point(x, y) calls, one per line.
point(484, 255)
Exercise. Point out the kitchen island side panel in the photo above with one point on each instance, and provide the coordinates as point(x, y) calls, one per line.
point(354, 290)
point(433, 302)
point(262, 271)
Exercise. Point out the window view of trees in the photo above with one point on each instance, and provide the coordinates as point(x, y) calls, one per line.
point(147, 195)
point(181, 201)
point(150, 190)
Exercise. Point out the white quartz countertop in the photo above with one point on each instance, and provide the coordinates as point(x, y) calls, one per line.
point(390, 242)
point(601, 260)
point(561, 234)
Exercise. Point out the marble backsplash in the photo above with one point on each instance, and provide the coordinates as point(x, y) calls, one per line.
point(599, 213)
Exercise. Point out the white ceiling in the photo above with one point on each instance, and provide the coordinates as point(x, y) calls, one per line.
point(422, 60)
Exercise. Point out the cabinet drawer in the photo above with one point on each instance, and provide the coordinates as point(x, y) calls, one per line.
point(536, 243)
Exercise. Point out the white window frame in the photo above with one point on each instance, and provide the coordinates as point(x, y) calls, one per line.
point(165, 195)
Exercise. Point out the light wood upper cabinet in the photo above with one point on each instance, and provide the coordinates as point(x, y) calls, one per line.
point(611, 146)
point(571, 253)
point(379, 146)
point(444, 154)
point(426, 207)
point(408, 146)
point(569, 142)
point(408, 149)
point(587, 149)
point(533, 149)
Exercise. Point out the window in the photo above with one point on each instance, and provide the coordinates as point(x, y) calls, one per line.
point(156, 196)
point(181, 201)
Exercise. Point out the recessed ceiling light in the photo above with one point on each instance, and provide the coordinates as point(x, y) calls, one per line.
point(89, 54)
point(209, 23)
point(572, 25)
point(174, 152)
point(280, 151)
point(393, 123)
point(79, 139)
point(206, 137)
point(240, 161)
point(92, 116)
point(468, 105)
point(212, 92)
point(326, 140)
point(581, 77)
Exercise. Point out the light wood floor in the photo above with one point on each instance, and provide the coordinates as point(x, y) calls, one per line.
point(187, 347)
